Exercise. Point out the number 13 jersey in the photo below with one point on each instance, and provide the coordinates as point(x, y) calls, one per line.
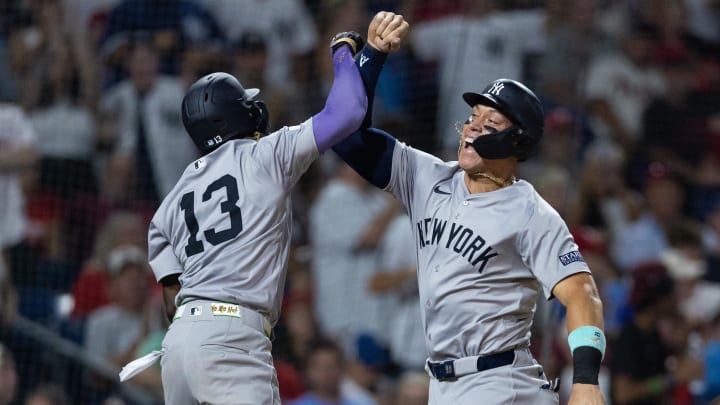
point(225, 226)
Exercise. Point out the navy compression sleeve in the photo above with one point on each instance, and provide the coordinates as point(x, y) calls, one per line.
point(370, 62)
point(370, 153)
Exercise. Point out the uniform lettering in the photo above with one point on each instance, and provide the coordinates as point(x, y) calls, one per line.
point(476, 245)
point(437, 231)
point(421, 236)
point(461, 240)
point(484, 257)
point(427, 222)
point(453, 233)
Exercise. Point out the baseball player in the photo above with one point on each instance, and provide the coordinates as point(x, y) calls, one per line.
point(487, 245)
point(219, 241)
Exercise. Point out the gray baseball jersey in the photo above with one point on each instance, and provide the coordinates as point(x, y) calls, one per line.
point(225, 226)
point(483, 259)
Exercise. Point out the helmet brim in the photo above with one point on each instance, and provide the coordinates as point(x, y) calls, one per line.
point(474, 99)
point(251, 93)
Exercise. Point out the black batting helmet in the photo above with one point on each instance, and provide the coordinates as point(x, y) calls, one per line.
point(217, 108)
point(521, 106)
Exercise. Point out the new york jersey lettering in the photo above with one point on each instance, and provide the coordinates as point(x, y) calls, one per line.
point(459, 239)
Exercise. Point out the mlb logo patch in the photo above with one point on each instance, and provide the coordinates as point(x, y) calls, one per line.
point(199, 164)
point(195, 311)
point(571, 257)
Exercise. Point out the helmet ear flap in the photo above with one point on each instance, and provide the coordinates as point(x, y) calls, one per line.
point(262, 117)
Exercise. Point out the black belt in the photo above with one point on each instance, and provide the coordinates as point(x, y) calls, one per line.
point(451, 369)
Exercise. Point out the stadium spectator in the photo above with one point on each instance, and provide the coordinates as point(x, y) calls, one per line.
point(152, 137)
point(487, 43)
point(324, 372)
point(249, 58)
point(641, 372)
point(397, 280)
point(286, 26)
point(573, 38)
point(47, 394)
point(347, 219)
point(172, 26)
point(412, 388)
point(645, 238)
point(122, 228)
point(620, 84)
point(603, 200)
point(8, 377)
point(114, 332)
point(698, 299)
point(62, 116)
point(17, 156)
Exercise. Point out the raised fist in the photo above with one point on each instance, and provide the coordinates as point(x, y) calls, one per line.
point(387, 31)
point(352, 38)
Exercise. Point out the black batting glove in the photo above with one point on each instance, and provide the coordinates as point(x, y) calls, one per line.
point(351, 38)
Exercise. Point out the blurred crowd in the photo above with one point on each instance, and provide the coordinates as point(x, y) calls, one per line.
point(91, 140)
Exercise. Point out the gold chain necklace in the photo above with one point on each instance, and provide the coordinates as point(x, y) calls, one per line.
point(498, 181)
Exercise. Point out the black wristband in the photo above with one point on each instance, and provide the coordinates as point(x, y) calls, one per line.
point(586, 365)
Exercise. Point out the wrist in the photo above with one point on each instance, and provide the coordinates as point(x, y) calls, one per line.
point(373, 54)
point(587, 345)
point(586, 365)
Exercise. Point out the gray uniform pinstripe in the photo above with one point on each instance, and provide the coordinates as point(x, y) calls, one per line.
point(225, 229)
point(483, 260)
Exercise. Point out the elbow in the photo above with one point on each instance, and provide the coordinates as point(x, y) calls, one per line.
point(357, 109)
point(352, 113)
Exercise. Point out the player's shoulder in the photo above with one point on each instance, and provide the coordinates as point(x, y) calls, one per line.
point(424, 161)
point(533, 203)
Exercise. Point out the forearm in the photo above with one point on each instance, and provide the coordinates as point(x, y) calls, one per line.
point(584, 309)
point(369, 152)
point(586, 338)
point(346, 104)
point(171, 287)
point(17, 159)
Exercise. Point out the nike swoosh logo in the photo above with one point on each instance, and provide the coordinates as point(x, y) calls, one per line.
point(437, 190)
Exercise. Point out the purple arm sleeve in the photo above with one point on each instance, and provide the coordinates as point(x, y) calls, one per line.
point(346, 103)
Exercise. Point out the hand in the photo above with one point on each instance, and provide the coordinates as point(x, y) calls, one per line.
point(387, 31)
point(351, 38)
point(586, 394)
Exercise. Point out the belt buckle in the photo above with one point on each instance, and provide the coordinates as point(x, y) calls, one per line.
point(444, 370)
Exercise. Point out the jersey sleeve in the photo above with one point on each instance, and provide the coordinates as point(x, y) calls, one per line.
point(288, 153)
point(161, 257)
point(410, 168)
point(549, 249)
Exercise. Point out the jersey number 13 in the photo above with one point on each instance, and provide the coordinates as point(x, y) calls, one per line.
point(229, 207)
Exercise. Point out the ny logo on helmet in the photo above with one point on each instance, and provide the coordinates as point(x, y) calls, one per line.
point(496, 87)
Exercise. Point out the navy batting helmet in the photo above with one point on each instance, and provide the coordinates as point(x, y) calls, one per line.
point(217, 108)
point(521, 106)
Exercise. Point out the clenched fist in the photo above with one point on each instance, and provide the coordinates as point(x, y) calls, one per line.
point(387, 31)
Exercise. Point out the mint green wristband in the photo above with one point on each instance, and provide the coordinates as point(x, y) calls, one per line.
point(587, 336)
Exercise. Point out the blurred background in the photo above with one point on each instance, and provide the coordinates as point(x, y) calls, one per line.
point(91, 140)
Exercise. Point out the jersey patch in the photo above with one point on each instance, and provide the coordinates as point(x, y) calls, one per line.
point(199, 164)
point(571, 257)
